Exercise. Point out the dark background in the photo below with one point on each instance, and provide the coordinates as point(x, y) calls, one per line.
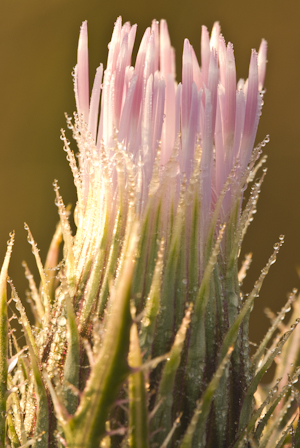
point(38, 41)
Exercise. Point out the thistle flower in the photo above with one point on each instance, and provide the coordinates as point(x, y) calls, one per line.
point(156, 351)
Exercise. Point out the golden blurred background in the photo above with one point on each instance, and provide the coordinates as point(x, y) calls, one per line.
point(38, 41)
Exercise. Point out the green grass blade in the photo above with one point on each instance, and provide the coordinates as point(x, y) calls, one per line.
point(14, 402)
point(297, 434)
point(273, 429)
point(197, 343)
point(42, 412)
point(12, 432)
point(44, 280)
point(262, 346)
point(71, 367)
point(152, 306)
point(68, 240)
point(52, 261)
point(24, 320)
point(138, 410)
point(163, 416)
point(110, 266)
point(3, 340)
point(233, 331)
point(87, 427)
point(165, 321)
point(247, 404)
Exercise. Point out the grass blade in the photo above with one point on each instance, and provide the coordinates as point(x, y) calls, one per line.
point(3, 340)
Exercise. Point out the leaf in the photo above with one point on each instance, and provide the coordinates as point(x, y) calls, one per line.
point(52, 260)
point(152, 305)
point(72, 362)
point(24, 319)
point(163, 416)
point(44, 280)
point(244, 268)
point(110, 266)
point(233, 330)
point(284, 435)
point(296, 440)
point(193, 268)
point(244, 222)
point(3, 339)
point(68, 240)
point(171, 432)
point(268, 406)
point(87, 427)
point(138, 433)
point(42, 412)
point(262, 346)
point(12, 432)
point(273, 427)
point(197, 342)
point(34, 293)
point(165, 321)
point(14, 402)
point(257, 378)
point(269, 435)
point(198, 422)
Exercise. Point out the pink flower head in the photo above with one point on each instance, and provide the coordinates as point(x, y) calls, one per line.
point(146, 113)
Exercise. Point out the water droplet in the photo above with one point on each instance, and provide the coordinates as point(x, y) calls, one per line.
point(61, 321)
point(146, 322)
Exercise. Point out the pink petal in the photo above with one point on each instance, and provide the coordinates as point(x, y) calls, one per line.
point(131, 39)
point(168, 132)
point(187, 81)
point(239, 122)
point(125, 30)
point(126, 112)
point(230, 101)
point(138, 93)
point(158, 108)
point(82, 73)
point(150, 58)
point(220, 156)
point(178, 108)
point(205, 53)
point(167, 62)
point(197, 75)
point(206, 159)
point(114, 46)
point(215, 34)
point(212, 84)
point(120, 79)
point(146, 131)
point(155, 31)
point(95, 99)
point(251, 109)
point(252, 90)
point(222, 59)
point(189, 137)
point(262, 62)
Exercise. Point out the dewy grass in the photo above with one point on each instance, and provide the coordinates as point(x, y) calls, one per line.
point(140, 336)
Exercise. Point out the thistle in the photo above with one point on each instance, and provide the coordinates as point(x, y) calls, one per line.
point(140, 336)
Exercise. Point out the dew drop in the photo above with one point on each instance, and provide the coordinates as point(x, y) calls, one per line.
point(61, 321)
